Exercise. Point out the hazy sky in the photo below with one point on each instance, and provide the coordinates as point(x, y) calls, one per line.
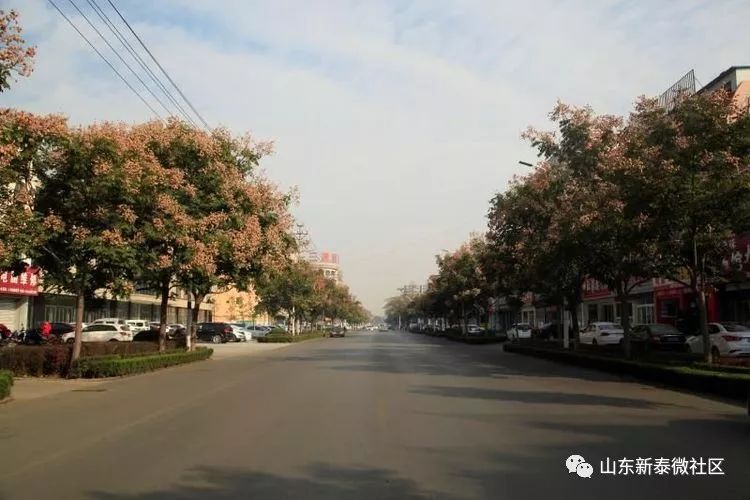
point(396, 120)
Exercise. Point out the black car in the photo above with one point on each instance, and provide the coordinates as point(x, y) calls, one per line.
point(152, 334)
point(659, 336)
point(216, 333)
point(337, 331)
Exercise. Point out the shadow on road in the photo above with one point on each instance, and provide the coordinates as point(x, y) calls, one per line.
point(404, 353)
point(536, 397)
point(321, 481)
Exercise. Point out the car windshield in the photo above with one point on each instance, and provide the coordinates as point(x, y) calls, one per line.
point(523, 327)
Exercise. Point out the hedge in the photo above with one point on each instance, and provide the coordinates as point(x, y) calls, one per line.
point(698, 377)
point(109, 366)
point(273, 338)
point(54, 360)
point(6, 381)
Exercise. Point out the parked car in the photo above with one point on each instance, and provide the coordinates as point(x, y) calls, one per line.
point(602, 333)
point(102, 333)
point(137, 325)
point(383, 328)
point(551, 330)
point(152, 334)
point(257, 331)
point(217, 333)
point(727, 339)
point(240, 333)
point(659, 336)
point(474, 330)
point(519, 331)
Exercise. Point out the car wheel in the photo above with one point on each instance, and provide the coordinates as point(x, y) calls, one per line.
point(216, 339)
point(70, 341)
point(715, 354)
point(113, 340)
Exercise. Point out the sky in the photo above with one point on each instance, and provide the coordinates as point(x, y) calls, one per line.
point(396, 120)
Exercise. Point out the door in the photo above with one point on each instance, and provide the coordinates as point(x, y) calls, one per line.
point(8, 313)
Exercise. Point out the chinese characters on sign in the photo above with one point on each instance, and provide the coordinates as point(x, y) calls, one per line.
point(25, 283)
point(677, 466)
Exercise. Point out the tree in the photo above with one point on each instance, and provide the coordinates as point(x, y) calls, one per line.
point(28, 145)
point(462, 281)
point(83, 202)
point(15, 56)
point(696, 159)
point(287, 290)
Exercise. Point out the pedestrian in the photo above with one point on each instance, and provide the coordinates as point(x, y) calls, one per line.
point(46, 329)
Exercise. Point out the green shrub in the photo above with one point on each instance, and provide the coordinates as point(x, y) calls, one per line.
point(721, 383)
point(54, 360)
point(6, 381)
point(108, 366)
point(277, 338)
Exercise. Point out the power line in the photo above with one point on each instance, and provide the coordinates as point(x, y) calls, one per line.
point(205, 124)
point(134, 54)
point(148, 89)
point(105, 59)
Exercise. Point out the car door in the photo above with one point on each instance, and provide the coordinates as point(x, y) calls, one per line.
point(585, 335)
point(92, 333)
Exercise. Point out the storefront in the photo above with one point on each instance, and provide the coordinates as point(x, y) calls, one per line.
point(14, 297)
point(61, 307)
point(676, 305)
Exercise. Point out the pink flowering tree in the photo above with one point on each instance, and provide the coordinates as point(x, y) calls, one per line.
point(15, 56)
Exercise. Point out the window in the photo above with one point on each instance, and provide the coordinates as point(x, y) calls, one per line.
point(593, 313)
point(668, 308)
point(727, 86)
point(644, 314)
point(608, 312)
point(713, 329)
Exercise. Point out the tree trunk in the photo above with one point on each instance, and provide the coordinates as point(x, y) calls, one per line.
point(194, 326)
point(163, 315)
point(189, 326)
point(79, 328)
point(703, 324)
point(625, 320)
point(573, 308)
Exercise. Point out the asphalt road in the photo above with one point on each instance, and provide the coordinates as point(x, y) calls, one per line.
point(372, 415)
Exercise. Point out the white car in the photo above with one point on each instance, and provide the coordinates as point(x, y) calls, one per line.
point(727, 339)
point(101, 333)
point(137, 325)
point(602, 333)
point(109, 321)
point(240, 332)
point(519, 331)
point(474, 330)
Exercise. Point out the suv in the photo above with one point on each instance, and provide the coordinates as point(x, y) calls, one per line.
point(137, 325)
point(216, 333)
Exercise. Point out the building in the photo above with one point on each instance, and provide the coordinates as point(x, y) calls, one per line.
point(328, 263)
point(237, 306)
point(735, 80)
point(141, 305)
point(15, 295)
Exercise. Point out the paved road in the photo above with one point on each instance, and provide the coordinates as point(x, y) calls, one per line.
point(372, 415)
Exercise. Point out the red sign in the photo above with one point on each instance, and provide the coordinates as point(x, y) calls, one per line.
point(25, 283)
point(739, 260)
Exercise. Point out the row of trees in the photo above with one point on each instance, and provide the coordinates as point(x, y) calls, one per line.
point(660, 193)
point(107, 208)
point(102, 208)
point(303, 295)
